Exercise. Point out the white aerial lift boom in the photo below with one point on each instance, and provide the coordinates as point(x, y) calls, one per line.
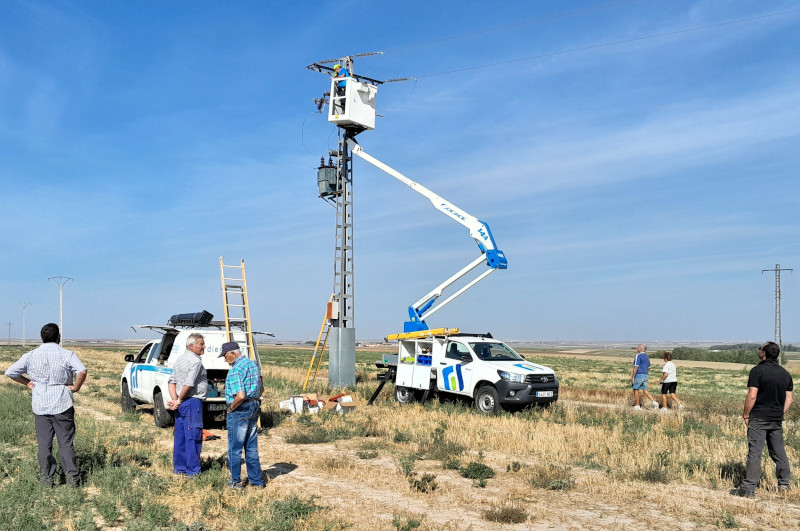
point(479, 230)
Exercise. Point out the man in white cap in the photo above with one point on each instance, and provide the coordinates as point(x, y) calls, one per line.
point(243, 390)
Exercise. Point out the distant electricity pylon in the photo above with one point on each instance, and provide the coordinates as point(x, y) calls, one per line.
point(61, 281)
point(24, 307)
point(9, 332)
point(778, 338)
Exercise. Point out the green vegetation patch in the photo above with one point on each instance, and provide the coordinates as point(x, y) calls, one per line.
point(17, 421)
point(506, 514)
point(475, 470)
point(550, 477)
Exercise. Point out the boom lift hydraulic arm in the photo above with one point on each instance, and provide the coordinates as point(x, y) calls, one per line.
point(479, 230)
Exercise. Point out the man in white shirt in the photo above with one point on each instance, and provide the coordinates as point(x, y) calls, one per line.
point(51, 377)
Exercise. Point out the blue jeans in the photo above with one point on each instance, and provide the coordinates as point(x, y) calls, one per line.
point(640, 381)
point(188, 437)
point(243, 433)
point(760, 431)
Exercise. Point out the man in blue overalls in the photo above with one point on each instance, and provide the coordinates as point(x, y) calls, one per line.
point(188, 387)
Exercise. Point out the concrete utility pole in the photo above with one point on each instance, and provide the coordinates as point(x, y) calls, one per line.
point(778, 338)
point(24, 307)
point(60, 281)
point(9, 332)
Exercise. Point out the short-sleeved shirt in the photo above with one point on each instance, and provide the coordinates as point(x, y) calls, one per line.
point(51, 369)
point(772, 381)
point(672, 372)
point(244, 375)
point(642, 363)
point(189, 371)
point(342, 73)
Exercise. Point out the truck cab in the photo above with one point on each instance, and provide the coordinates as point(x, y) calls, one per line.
point(144, 379)
point(477, 366)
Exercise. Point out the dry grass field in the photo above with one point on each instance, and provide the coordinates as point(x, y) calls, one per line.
point(589, 462)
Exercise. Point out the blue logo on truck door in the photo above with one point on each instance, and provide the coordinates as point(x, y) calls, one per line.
point(453, 381)
point(150, 368)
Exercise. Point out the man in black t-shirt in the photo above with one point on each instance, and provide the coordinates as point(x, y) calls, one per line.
point(769, 396)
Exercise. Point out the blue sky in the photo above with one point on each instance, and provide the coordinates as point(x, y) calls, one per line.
point(638, 189)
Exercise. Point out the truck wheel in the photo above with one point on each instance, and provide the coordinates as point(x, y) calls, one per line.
point(403, 395)
point(486, 400)
point(128, 403)
point(161, 415)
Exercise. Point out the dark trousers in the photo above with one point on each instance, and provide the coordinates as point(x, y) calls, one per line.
point(62, 426)
point(339, 104)
point(760, 431)
point(188, 437)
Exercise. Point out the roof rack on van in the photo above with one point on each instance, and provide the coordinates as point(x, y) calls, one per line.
point(202, 318)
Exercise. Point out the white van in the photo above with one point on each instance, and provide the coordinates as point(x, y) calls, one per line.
point(145, 377)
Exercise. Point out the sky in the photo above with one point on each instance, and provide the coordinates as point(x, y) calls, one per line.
point(637, 162)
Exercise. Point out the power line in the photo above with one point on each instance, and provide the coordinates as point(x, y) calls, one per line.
point(24, 306)
point(61, 281)
point(778, 338)
point(614, 43)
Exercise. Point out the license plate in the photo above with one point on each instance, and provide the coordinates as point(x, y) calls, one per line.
point(220, 407)
point(544, 394)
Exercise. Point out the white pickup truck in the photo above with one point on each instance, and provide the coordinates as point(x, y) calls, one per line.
point(144, 379)
point(484, 369)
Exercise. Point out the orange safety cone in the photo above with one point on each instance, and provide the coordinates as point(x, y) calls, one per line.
point(208, 436)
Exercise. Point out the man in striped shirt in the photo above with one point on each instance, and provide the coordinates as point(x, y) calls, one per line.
point(243, 389)
point(188, 387)
point(51, 379)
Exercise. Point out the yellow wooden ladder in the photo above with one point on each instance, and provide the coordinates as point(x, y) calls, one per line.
point(324, 332)
point(237, 307)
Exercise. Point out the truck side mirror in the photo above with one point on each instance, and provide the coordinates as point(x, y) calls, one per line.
point(128, 358)
point(466, 358)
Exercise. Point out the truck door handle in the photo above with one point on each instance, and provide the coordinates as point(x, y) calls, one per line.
point(442, 363)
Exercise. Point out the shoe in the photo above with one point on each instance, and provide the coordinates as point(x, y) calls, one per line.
point(655, 405)
point(783, 489)
point(254, 486)
point(236, 485)
point(637, 407)
point(680, 406)
point(664, 410)
point(742, 493)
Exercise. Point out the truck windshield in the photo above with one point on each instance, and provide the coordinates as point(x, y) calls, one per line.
point(494, 352)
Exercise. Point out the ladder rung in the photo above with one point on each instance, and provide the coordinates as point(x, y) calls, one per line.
point(235, 305)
